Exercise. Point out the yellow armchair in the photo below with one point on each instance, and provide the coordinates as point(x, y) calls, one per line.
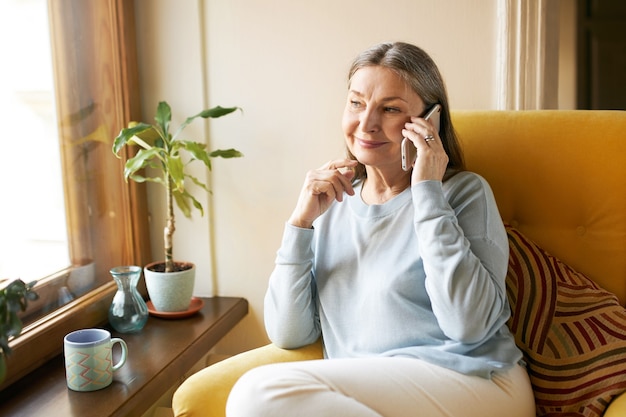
point(558, 176)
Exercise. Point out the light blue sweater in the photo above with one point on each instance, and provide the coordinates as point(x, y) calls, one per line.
point(422, 275)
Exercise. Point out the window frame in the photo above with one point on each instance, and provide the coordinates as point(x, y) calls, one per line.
point(91, 42)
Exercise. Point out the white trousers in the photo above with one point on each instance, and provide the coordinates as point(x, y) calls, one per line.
point(389, 387)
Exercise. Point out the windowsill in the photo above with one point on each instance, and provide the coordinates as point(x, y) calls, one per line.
point(158, 357)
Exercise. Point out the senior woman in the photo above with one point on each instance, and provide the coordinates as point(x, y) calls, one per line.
point(400, 272)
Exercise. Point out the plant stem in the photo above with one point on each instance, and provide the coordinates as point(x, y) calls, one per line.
point(169, 229)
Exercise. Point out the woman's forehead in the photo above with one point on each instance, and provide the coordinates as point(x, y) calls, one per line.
point(381, 82)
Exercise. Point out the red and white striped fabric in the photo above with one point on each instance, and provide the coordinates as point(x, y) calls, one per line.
point(572, 332)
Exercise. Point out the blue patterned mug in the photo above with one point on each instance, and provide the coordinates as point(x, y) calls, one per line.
point(88, 359)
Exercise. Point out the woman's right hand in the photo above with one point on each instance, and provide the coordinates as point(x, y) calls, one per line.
point(321, 187)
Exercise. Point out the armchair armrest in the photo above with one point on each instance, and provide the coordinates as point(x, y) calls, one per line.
point(205, 392)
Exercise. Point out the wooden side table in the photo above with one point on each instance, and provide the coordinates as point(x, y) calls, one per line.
point(158, 357)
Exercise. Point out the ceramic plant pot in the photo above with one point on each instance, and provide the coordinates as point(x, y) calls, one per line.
point(170, 291)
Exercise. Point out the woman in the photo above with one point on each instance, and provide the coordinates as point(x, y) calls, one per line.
point(401, 273)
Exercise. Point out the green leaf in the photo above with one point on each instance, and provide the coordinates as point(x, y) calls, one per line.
point(214, 112)
point(13, 304)
point(164, 117)
point(159, 143)
point(226, 153)
point(4, 345)
point(217, 111)
point(141, 160)
point(181, 198)
point(198, 182)
point(13, 298)
point(198, 151)
point(15, 326)
point(141, 178)
point(16, 288)
point(127, 134)
point(197, 205)
point(176, 171)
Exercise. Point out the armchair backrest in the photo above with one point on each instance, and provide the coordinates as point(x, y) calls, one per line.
point(559, 176)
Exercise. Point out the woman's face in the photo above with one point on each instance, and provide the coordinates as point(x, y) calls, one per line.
point(379, 104)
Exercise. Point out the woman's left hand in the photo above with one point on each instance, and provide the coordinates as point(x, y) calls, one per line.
point(432, 160)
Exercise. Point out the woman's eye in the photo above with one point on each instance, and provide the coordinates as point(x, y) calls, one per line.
point(355, 104)
point(392, 110)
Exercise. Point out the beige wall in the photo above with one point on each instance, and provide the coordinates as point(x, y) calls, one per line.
point(567, 55)
point(285, 63)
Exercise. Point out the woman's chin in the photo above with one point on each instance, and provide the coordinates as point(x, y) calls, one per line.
point(379, 162)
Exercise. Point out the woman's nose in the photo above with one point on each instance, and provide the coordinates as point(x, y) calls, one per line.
point(369, 121)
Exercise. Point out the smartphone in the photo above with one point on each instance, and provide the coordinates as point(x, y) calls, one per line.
point(409, 152)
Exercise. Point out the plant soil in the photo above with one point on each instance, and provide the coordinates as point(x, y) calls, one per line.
point(178, 266)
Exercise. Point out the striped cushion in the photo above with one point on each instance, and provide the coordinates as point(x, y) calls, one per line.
point(572, 333)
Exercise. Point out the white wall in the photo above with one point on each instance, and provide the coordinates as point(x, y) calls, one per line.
point(285, 63)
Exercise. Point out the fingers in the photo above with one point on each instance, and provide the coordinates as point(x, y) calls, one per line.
point(432, 160)
point(321, 187)
point(343, 165)
point(333, 178)
point(421, 132)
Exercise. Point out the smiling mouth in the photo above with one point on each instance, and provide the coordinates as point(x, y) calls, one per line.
point(369, 144)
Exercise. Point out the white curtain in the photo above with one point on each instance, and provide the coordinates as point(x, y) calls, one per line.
point(528, 53)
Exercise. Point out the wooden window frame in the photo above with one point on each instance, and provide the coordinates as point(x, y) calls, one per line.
point(97, 93)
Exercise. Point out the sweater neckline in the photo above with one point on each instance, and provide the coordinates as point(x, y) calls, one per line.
point(362, 209)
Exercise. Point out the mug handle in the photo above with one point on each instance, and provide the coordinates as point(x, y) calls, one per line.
point(122, 360)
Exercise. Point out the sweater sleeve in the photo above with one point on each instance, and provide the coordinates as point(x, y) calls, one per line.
point(291, 319)
point(464, 249)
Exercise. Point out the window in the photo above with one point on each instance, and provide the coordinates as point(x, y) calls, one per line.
point(27, 115)
point(96, 93)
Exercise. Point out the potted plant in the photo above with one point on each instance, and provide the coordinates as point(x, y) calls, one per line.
point(169, 282)
point(13, 299)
